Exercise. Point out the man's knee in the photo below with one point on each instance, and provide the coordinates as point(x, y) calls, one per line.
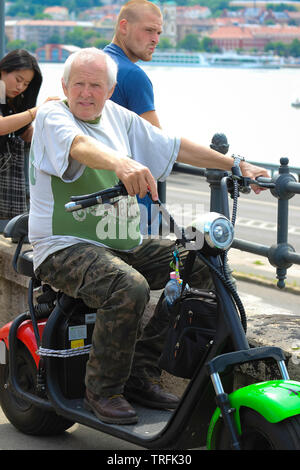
point(135, 287)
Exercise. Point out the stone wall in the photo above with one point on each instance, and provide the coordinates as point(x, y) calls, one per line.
point(13, 287)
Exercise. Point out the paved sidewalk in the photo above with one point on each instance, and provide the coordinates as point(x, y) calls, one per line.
point(254, 268)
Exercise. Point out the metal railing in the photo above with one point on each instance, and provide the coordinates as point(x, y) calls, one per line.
point(281, 255)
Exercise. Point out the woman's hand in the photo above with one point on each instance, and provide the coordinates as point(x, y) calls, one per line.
point(52, 98)
point(33, 111)
point(27, 135)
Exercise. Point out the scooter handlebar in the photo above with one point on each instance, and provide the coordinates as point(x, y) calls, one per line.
point(260, 181)
point(100, 197)
point(75, 206)
point(106, 195)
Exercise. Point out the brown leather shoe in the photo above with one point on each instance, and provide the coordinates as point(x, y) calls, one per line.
point(149, 393)
point(113, 410)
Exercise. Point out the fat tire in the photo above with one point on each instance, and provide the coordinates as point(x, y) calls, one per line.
point(26, 417)
point(260, 434)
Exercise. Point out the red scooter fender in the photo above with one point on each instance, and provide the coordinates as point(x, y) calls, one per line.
point(25, 335)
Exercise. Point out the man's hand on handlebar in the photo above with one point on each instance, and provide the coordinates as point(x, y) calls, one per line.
point(136, 178)
point(253, 172)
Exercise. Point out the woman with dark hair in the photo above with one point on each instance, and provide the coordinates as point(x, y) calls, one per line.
point(20, 82)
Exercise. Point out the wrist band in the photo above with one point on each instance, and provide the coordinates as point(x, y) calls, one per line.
point(237, 160)
point(31, 114)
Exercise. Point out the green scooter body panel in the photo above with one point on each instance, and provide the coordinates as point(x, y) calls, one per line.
point(275, 400)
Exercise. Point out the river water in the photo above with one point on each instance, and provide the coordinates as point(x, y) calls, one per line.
point(251, 106)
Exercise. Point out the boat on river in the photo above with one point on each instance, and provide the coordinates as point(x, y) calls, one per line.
point(202, 59)
point(189, 59)
point(296, 103)
point(243, 61)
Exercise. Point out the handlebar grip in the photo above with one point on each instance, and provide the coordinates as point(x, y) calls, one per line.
point(101, 197)
point(75, 206)
point(72, 206)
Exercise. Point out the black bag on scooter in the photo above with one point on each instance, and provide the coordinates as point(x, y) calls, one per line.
point(191, 331)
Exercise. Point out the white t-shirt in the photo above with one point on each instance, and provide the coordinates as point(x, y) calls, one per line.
point(55, 176)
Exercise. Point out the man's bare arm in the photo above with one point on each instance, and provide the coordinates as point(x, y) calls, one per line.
point(136, 177)
point(152, 117)
point(204, 157)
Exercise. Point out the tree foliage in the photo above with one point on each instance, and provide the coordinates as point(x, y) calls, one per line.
point(284, 50)
point(191, 42)
point(31, 8)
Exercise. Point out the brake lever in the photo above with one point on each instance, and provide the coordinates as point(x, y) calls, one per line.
point(118, 190)
point(100, 197)
point(244, 183)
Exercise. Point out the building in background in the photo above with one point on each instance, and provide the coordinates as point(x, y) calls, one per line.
point(39, 31)
point(170, 25)
point(55, 52)
point(253, 37)
point(57, 13)
point(250, 27)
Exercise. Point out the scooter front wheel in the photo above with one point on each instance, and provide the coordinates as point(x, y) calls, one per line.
point(260, 434)
point(25, 416)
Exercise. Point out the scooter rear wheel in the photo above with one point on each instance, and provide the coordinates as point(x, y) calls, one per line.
point(260, 434)
point(25, 416)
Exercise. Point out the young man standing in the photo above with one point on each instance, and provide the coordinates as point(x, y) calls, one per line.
point(138, 28)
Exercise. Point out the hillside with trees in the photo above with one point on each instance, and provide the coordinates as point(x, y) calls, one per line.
point(34, 8)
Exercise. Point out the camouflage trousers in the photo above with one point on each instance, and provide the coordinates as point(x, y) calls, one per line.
point(118, 285)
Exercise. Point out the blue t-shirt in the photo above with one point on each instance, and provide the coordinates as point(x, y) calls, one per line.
point(134, 89)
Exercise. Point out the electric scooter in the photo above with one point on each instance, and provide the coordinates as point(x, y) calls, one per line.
point(43, 353)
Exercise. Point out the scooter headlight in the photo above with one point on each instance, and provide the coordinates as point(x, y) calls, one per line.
point(217, 230)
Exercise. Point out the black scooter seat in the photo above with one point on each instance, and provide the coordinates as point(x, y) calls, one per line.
point(25, 263)
point(17, 230)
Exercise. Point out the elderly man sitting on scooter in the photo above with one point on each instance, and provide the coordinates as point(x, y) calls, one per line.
point(81, 145)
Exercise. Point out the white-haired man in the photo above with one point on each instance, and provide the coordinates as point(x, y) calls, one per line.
point(82, 145)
